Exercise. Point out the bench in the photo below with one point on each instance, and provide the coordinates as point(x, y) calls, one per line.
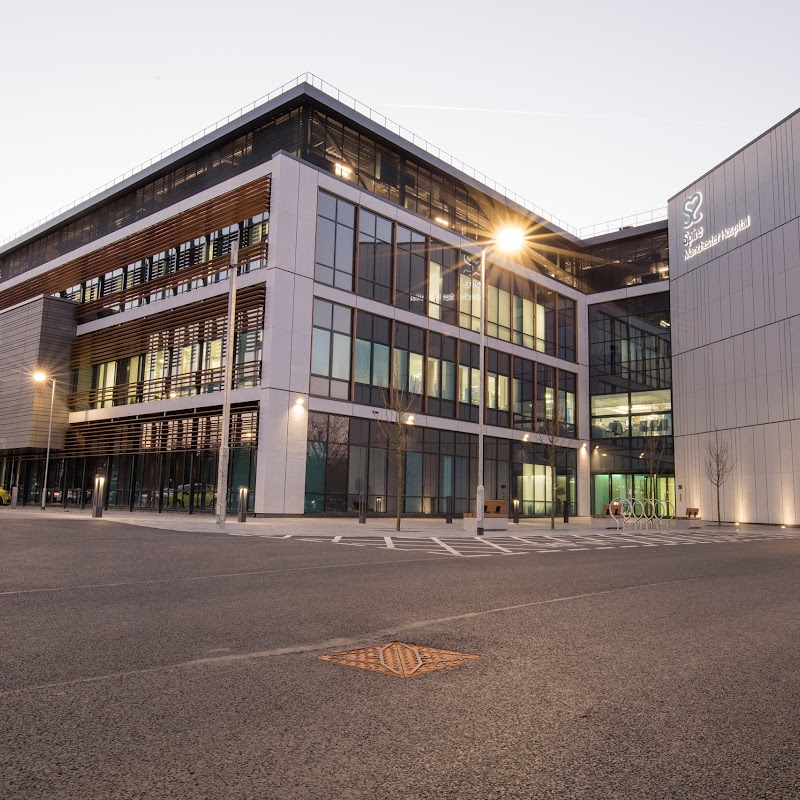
point(692, 513)
point(495, 517)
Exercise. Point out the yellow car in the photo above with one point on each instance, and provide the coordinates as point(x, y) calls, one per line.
point(5, 497)
point(204, 495)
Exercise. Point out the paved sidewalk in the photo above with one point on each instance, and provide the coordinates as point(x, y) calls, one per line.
point(412, 527)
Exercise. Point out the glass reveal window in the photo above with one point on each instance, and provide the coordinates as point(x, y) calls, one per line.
point(330, 350)
point(412, 258)
point(335, 241)
point(374, 257)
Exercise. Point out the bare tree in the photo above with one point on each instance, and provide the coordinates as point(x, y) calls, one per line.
point(400, 406)
point(719, 465)
point(555, 441)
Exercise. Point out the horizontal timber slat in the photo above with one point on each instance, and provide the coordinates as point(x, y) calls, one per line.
point(173, 328)
point(235, 206)
point(194, 430)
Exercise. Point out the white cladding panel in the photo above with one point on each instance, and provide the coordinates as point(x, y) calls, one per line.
point(735, 309)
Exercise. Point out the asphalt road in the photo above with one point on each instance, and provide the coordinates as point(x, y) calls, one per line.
point(138, 663)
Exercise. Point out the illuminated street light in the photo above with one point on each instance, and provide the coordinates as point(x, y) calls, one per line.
point(41, 377)
point(509, 240)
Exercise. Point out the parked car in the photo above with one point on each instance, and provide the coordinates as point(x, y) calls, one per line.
point(5, 497)
point(205, 495)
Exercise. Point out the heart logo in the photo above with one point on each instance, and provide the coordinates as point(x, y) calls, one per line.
point(692, 214)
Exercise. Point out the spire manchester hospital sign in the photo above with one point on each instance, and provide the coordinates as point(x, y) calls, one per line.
point(694, 234)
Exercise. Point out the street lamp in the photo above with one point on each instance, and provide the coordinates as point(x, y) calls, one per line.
point(508, 240)
point(41, 377)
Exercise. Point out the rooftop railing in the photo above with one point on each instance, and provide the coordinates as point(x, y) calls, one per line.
point(383, 121)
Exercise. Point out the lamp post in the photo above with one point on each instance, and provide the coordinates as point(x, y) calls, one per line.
point(509, 240)
point(40, 377)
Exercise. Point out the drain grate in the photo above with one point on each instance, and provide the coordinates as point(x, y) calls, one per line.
point(399, 659)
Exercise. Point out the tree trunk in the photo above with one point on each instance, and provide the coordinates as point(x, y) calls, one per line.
point(719, 515)
point(553, 499)
point(400, 483)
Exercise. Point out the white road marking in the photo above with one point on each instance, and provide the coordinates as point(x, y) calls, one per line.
point(492, 544)
point(389, 542)
point(447, 547)
point(337, 539)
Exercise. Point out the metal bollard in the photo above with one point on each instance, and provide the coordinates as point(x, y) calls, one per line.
point(14, 496)
point(242, 517)
point(97, 497)
point(362, 509)
point(515, 507)
point(449, 517)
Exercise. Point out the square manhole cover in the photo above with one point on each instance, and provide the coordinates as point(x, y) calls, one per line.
point(399, 659)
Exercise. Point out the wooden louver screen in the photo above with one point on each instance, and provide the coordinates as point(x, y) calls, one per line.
point(173, 328)
point(243, 203)
point(190, 431)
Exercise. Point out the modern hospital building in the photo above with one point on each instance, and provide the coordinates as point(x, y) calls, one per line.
point(358, 276)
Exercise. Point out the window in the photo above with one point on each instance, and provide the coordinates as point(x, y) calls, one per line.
point(442, 283)
point(566, 402)
point(498, 379)
point(546, 321)
point(469, 293)
point(469, 382)
point(409, 357)
point(524, 372)
point(441, 375)
point(412, 257)
point(523, 316)
point(330, 350)
point(371, 374)
point(335, 241)
point(374, 257)
point(498, 305)
point(566, 328)
point(545, 397)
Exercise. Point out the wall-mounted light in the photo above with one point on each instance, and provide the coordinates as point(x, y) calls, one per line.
point(300, 401)
point(442, 221)
point(526, 437)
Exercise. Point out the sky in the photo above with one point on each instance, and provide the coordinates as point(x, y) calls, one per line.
point(592, 110)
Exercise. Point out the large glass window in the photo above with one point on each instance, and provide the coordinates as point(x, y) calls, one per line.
point(523, 312)
point(498, 380)
point(545, 397)
point(409, 358)
point(468, 381)
point(546, 320)
point(371, 372)
point(566, 402)
point(566, 328)
point(498, 305)
point(636, 414)
point(443, 283)
point(524, 378)
point(441, 375)
point(469, 293)
point(330, 350)
point(374, 257)
point(412, 258)
point(335, 241)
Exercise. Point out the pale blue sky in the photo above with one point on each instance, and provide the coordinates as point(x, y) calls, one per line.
point(621, 103)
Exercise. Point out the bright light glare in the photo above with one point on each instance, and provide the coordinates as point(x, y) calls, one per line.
point(510, 240)
point(39, 377)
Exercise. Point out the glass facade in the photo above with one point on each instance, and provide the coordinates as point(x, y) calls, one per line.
point(347, 456)
point(630, 401)
point(159, 462)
